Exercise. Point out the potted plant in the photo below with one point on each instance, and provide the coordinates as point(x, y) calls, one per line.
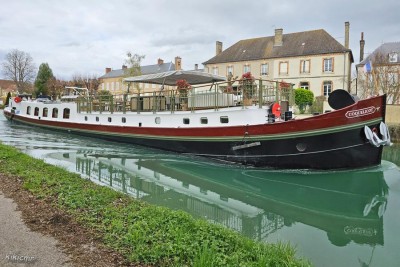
point(183, 86)
point(247, 85)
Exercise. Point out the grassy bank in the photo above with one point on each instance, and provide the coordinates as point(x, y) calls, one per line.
point(143, 233)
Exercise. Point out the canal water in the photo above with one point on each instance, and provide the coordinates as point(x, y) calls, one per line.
point(341, 218)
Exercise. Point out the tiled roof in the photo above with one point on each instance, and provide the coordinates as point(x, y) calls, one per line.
point(306, 43)
point(7, 85)
point(383, 49)
point(149, 69)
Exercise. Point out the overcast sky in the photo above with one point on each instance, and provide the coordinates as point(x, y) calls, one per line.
point(86, 36)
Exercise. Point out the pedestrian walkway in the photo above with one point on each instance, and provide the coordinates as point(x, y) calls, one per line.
point(19, 246)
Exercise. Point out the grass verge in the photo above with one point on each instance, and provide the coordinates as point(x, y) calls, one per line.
point(141, 232)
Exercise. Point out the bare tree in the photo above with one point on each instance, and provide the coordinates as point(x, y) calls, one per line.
point(134, 62)
point(56, 87)
point(92, 83)
point(20, 68)
point(383, 78)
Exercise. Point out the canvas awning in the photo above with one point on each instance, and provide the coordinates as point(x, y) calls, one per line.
point(171, 77)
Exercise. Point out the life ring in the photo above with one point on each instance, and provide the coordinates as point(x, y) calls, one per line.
point(276, 110)
point(17, 99)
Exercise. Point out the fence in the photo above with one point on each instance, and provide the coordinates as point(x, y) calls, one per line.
point(218, 95)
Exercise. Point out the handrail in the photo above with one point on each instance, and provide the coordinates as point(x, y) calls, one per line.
point(258, 93)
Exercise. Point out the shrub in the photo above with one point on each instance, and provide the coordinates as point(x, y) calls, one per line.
point(318, 105)
point(303, 98)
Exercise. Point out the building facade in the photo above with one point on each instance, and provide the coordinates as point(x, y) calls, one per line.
point(112, 80)
point(7, 86)
point(379, 72)
point(313, 60)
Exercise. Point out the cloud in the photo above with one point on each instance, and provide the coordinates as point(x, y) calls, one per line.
point(85, 37)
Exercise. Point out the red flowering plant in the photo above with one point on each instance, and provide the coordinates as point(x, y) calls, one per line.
point(183, 86)
point(247, 85)
point(284, 85)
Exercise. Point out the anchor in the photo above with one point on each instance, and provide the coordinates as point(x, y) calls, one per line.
point(374, 139)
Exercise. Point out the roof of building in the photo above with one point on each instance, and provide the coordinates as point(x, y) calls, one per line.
point(306, 43)
point(7, 85)
point(384, 49)
point(149, 69)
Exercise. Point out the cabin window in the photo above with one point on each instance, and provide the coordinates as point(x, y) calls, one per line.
point(224, 119)
point(66, 113)
point(86, 118)
point(223, 198)
point(140, 124)
point(54, 114)
point(186, 121)
point(123, 120)
point(109, 119)
point(28, 110)
point(97, 118)
point(36, 112)
point(158, 120)
point(204, 120)
point(45, 112)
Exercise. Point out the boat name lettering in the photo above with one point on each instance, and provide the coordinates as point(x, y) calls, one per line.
point(360, 112)
point(351, 230)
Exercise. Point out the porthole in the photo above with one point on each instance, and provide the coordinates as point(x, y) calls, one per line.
point(97, 119)
point(123, 120)
point(301, 147)
point(109, 119)
point(224, 119)
point(204, 120)
point(157, 120)
point(86, 118)
point(186, 121)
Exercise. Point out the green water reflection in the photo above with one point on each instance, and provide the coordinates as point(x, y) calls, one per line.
point(392, 154)
point(346, 218)
point(347, 206)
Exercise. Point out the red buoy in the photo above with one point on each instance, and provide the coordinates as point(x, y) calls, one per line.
point(17, 99)
point(276, 110)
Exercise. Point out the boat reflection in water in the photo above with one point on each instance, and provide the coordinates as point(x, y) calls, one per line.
point(348, 206)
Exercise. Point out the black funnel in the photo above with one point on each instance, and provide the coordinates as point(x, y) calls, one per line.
point(340, 98)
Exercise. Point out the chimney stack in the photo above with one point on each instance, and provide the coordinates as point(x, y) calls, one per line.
point(218, 48)
point(160, 61)
point(346, 34)
point(178, 63)
point(362, 44)
point(196, 66)
point(278, 37)
point(108, 70)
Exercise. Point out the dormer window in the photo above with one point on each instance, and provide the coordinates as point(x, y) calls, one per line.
point(393, 57)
